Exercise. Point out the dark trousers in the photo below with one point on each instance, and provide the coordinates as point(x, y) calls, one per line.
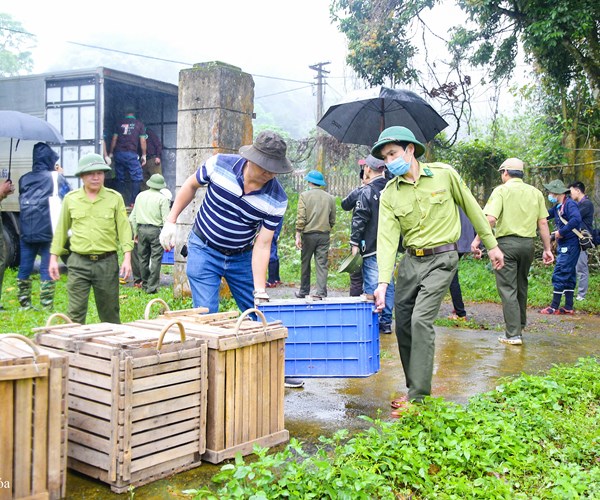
point(512, 283)
point(103, 277)
point(356, 283)
point(316, 244)
point(456, 294)
point(150, 254)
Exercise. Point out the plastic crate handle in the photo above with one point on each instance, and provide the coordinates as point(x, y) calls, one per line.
point(27, 340)
point(246, 313)
point(151, 303)
point(166, 328)
point(58, 315)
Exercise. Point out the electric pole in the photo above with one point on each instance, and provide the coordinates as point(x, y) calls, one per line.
point(320, 91)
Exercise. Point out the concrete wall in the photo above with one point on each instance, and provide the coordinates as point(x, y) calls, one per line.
point(216, 102)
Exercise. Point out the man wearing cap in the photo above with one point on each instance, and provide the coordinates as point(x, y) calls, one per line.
point(129, 134)
point(363, 237)
point(516, 210)
point(566, 218)
point(147, 219)
point(314, 221)
point(421, 204)
point(586, 209)
point(234, 226)
point(97, 221)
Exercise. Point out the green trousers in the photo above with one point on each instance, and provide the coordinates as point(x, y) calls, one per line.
point(420, 288)
point(103, 277)
point(511, 281)
point(150, 254)
point(316, 244)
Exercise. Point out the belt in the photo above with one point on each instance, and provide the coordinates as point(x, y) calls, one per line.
point(148, 225)
point(422, 252)
point(224, 251)
point(96, 257)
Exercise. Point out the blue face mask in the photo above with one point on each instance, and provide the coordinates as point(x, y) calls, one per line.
point(552, 199)
point(398, 166)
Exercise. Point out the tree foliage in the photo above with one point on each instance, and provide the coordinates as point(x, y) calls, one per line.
point(14, 58)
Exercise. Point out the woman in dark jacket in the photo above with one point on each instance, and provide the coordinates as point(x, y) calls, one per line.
point(35, 188)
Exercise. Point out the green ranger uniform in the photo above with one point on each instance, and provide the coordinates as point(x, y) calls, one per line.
point(425, 213)
point(147, 219)
point(517, 207)
point(96, 227)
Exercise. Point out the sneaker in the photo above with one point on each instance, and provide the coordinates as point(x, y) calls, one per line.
point(385, 328)
point(549, 310)
point(580, 298)
point(293, 383)
point(562, 310)
point(511, 340)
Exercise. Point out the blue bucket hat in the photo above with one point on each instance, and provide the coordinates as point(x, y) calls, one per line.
point(315, 177)
point(397, 134)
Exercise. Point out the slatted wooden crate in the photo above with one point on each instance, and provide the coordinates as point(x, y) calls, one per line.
point(137, 400)
point(245, 378)
point(33, 420)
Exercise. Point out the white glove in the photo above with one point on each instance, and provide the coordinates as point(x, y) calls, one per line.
point(260, 296)
point(108, 160)
point(167, 235)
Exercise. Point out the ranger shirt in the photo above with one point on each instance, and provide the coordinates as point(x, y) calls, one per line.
point(425, 213)
point(96, 225)
point(517, 207)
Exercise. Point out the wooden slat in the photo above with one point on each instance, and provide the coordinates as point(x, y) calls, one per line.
point(128, 402)
point(166, 379)
point(89, 440)
point(89, 423)
point(85, 391)
point(217, 456)
point(231, 398)
point(156, 422)
point(24, 371)
point(161, 407)
point(280, 388)
point(216, 399)
point(274, 410)
point(167, 366)
point(158, 445)
point(114, 421)
point(150, 436)
point(254, 400)
point(89, 456)
point(6, 432)
point(39, 469)
point(94, 379)
point(89, 407)
point(189, 450)
point(165, 393)
point(22, 441)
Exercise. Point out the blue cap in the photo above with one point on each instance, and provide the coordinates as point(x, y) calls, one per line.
point(315, 177)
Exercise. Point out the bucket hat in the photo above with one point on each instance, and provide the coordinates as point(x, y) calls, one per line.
point(512, 164)
point(268, 152)
point(315, 177)
point(351, 264)
point(557, 186)
point(91, 162)
point(157, 181)
point(396, 134)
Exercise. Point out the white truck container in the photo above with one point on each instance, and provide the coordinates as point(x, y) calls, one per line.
point(84, 105)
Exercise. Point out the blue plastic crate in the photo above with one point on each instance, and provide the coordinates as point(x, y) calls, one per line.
point(168, 257)
point(334, 337)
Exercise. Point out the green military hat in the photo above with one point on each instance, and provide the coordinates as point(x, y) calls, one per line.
point(557, 186)
point(157, 181)
point(91, 162)
point(397, 134)
point(351, 264)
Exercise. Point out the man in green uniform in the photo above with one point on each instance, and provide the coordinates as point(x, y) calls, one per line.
point(147, 219)
point(98, 222)
point(515, 209)
point(421, 205)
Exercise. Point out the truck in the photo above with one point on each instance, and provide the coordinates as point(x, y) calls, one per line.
point(84, 105)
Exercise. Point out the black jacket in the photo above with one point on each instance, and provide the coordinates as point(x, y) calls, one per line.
point(586, 209)
point(365, 218)
point(35, 188)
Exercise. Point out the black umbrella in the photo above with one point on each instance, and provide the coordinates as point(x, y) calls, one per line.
point(17, 125)
point(362, 115)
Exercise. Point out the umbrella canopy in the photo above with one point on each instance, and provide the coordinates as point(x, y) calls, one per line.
point(362, 115)
point(17, 125)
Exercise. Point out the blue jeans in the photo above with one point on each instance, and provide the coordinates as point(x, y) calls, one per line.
point(29, 251)
point(564, 276)
point(370, 282)
point(205, 268)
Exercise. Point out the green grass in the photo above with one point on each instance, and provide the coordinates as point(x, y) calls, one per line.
point(535, 437)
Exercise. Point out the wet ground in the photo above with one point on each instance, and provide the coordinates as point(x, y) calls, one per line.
point(467, 362)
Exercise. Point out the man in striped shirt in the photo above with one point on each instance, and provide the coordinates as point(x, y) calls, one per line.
point(234, 226)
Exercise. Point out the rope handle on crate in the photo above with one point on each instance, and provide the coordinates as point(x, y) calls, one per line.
point(27, 340)
point(246, 313)
point(58, 315)
point(166, 328)
point(151, 303)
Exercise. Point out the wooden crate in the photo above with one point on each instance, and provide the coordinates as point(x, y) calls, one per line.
point(245, 379)
point(33, 420)
point(137, 400)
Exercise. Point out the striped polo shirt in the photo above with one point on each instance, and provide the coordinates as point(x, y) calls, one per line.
point(228, 218)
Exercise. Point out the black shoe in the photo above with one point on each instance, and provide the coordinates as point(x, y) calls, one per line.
point(293, 383)
point(300, 295)
point(385, 328)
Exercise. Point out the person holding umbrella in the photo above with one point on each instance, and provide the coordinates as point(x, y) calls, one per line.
point(6, 189)
point(421, 205)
